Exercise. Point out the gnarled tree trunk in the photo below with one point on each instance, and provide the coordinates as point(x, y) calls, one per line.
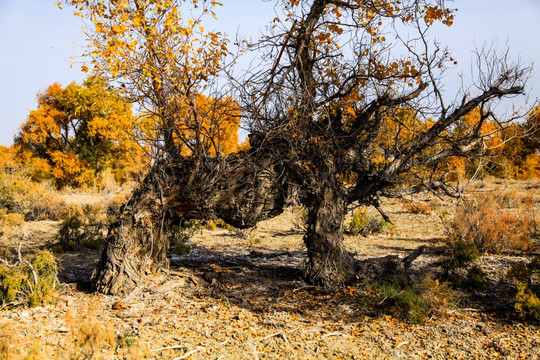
point(241, 191)
point(330, 264)
point(136, 244)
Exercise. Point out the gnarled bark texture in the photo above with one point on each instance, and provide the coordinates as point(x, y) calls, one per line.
point(241, 191)
point(136, 244)
point(330, 264)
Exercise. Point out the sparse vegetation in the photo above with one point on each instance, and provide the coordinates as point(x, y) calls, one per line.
point(483, 222)
point(363, 223)
point(414, 302)
point(28, 281)
point(86, 227)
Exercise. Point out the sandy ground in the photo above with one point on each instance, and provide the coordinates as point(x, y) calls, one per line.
point(235, 298)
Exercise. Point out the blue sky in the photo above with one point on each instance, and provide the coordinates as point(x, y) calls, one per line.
point(37, 39)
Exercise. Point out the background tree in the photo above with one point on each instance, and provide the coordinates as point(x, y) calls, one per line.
point(333, 75)
point(80, 131)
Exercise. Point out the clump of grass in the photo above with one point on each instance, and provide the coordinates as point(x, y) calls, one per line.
point(29, 281)
point(417, 208)
point(362, 223)
point(125, 340)
point(414, 302)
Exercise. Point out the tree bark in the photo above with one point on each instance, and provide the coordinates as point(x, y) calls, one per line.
point(239, 191)
point(136, 245)
point(330, 264)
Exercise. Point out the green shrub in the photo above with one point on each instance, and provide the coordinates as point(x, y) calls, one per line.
point(527, 291)
point(125, 340)
point(476, 278)
point(412, 302)
point(30, 282)
point(362, 223)
point(527, 302)
point(461, 255)
point(217, 224)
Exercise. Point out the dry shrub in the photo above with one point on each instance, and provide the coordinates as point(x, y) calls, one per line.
point(92, 338)
point(28, 281)
point(362, 223)
point(88, 335)
point(8, 340)
point(10, 224)
point(483, 223)
point(35, 201)
point(417, 208)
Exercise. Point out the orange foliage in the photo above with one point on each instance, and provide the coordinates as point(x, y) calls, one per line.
point(77, 132)
point(491, 146)
point(209, 124)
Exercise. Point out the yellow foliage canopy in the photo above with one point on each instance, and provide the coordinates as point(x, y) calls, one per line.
point(80, 131)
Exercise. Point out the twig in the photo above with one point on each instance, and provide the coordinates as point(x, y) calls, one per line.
point(334, 334)
point(189, 353)
point(171, 348)
point(279, 333)
point(255, 353)
point(401, 344)
point(305, 287)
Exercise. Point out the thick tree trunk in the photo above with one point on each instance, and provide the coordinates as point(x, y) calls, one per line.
point(239, 191)
point(329, 265)
point(136, 245)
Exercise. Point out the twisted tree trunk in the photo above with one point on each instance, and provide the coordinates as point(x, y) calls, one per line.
point(241, 191)
point(136, 245)
point(330, 264)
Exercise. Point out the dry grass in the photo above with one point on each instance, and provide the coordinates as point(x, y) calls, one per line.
point(417, 208)
point(484, 222)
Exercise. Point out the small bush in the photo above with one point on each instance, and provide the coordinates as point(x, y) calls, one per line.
point(476, 278)
point(483, 223)
point(362, 223)
point(85, 228)
point(461, 255)
point(125, 340)
point(29, 282)
point(527, 296)
point(417, 208)
point(217, 224)
point(412, 302)
point(527, 302)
